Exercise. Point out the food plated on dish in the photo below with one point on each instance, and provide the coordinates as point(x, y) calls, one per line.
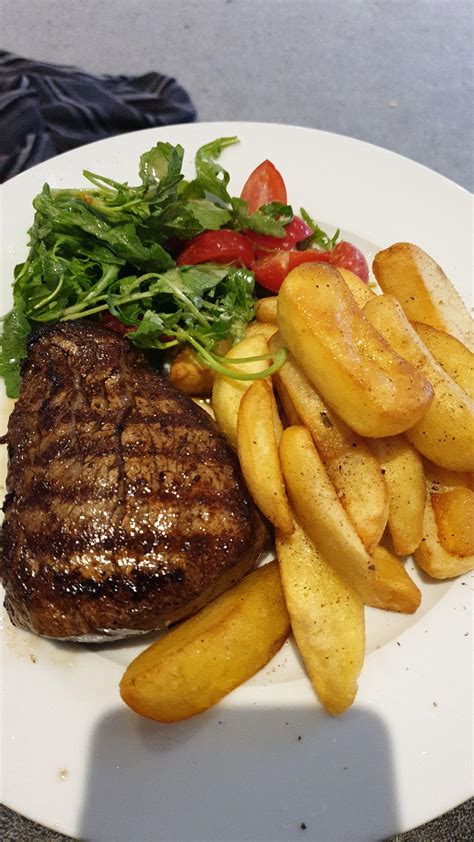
point(393, 732)
point(353, 436)
point(126, 509)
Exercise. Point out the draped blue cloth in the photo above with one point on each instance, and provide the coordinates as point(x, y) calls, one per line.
point(46, 109)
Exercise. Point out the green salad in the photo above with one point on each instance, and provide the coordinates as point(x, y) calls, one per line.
point(111, 250)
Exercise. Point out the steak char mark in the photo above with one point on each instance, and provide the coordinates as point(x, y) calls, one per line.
point(125, 507)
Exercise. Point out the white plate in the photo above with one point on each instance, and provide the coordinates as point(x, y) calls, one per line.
point(267, 760)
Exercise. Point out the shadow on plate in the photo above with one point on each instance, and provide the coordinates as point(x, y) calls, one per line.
point(239, 773)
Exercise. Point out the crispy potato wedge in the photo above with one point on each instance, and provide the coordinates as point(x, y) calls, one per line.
point(266, 310)
point(263, 328)
point(189, 375)
point(322, 517)
point(454, 516)
point(440, 479)
point(360, 290)
point(433, 558)
point(227, 393)
point(200, 661)
point(394, 590)
point(402, 467)
point(259, 431)
point(351, 467)
point(287, 404)
point(445, 434)
point(452, 355)
point(354, 368)
point(327, 619)
point(423, 290)
point(320, 511)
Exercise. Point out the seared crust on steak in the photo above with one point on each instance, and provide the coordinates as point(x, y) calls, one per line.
point(125, 508)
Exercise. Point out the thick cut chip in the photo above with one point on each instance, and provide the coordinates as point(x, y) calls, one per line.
point(445, 434)
point(432, 556)
point(440, 479)
point(327, 619)
point(322, 517)
point(320, 511)
point(351, 467)
point(454, 516)
point(360, 290)
point(423, 290)
point(402, 467)
point(262, 328)
point(266, 310)
point(259, 431)
point(197, 663)
point(394, 590)
point(189, 375)
point(452, 355)
point(227, 392)
point(356, 371)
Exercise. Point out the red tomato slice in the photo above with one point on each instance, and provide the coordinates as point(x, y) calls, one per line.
point(223, 246)
point(271, 271)
point(112, 323)
point(296, 231)
point(264, 185)
point(347, 256)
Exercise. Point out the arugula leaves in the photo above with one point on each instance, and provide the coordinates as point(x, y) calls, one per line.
point(112, 247)
point(16, 329)
point(318, 238)
point(161, 162)
point(211, 177)
point(204, 305)
point(269, 219)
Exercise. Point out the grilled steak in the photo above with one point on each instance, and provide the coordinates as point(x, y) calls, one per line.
point(125, 508)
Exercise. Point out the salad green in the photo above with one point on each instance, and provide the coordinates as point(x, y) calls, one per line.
point(112, 248)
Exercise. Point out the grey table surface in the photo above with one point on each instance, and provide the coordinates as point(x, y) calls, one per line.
point(397, 73)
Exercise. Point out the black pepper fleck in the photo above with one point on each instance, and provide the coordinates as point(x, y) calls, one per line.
point(326, 420)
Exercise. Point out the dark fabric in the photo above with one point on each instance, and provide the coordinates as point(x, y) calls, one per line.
point(46, 109)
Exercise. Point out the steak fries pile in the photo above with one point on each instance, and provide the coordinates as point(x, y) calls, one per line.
point(359, 450)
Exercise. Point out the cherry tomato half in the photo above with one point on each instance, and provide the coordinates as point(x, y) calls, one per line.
point(223, 246)
point(296, 231)
point(347, 256)
point(264, 185)
point(271, 271)
point(112, 323)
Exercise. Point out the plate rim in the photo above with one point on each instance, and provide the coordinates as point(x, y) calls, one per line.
point(262, 123)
